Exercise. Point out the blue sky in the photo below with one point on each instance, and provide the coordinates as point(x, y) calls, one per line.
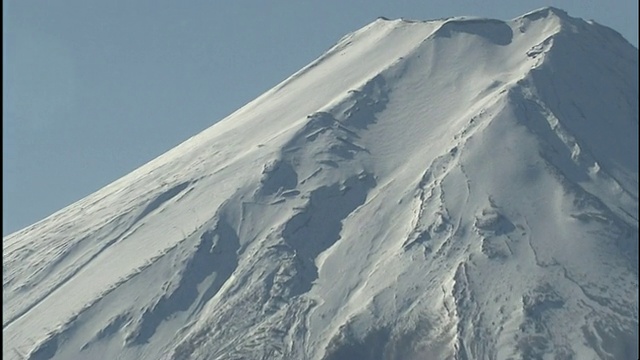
point(94, 89)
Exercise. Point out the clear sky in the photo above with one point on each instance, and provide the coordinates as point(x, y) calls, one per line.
point(94, 89)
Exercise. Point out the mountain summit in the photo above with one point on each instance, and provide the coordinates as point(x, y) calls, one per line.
point(455, 189)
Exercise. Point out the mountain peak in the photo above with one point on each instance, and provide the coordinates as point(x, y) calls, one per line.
point(546, 12)
point(362, 208)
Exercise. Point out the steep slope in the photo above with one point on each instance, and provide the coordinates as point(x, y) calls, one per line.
point(462, 188)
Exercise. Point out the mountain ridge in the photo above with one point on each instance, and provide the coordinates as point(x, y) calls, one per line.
point(361, 208)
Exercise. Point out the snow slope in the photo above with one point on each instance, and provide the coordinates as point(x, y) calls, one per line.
point(455, 189)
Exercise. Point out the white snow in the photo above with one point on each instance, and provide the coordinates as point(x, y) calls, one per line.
point(462, 188)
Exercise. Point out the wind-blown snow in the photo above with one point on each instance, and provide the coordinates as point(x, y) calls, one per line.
point(463, 188)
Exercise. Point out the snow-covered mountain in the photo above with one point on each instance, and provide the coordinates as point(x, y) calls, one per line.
point(454, 189)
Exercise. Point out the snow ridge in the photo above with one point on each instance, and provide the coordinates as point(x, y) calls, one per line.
point(461, 188)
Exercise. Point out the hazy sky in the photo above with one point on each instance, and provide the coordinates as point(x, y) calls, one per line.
point(94, 89)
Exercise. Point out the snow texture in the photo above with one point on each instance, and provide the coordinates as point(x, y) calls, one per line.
point(454, 189)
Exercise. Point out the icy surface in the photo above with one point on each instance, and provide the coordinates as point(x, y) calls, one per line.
point(455, 189)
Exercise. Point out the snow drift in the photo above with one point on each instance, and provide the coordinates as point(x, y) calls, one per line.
point(454, 189)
